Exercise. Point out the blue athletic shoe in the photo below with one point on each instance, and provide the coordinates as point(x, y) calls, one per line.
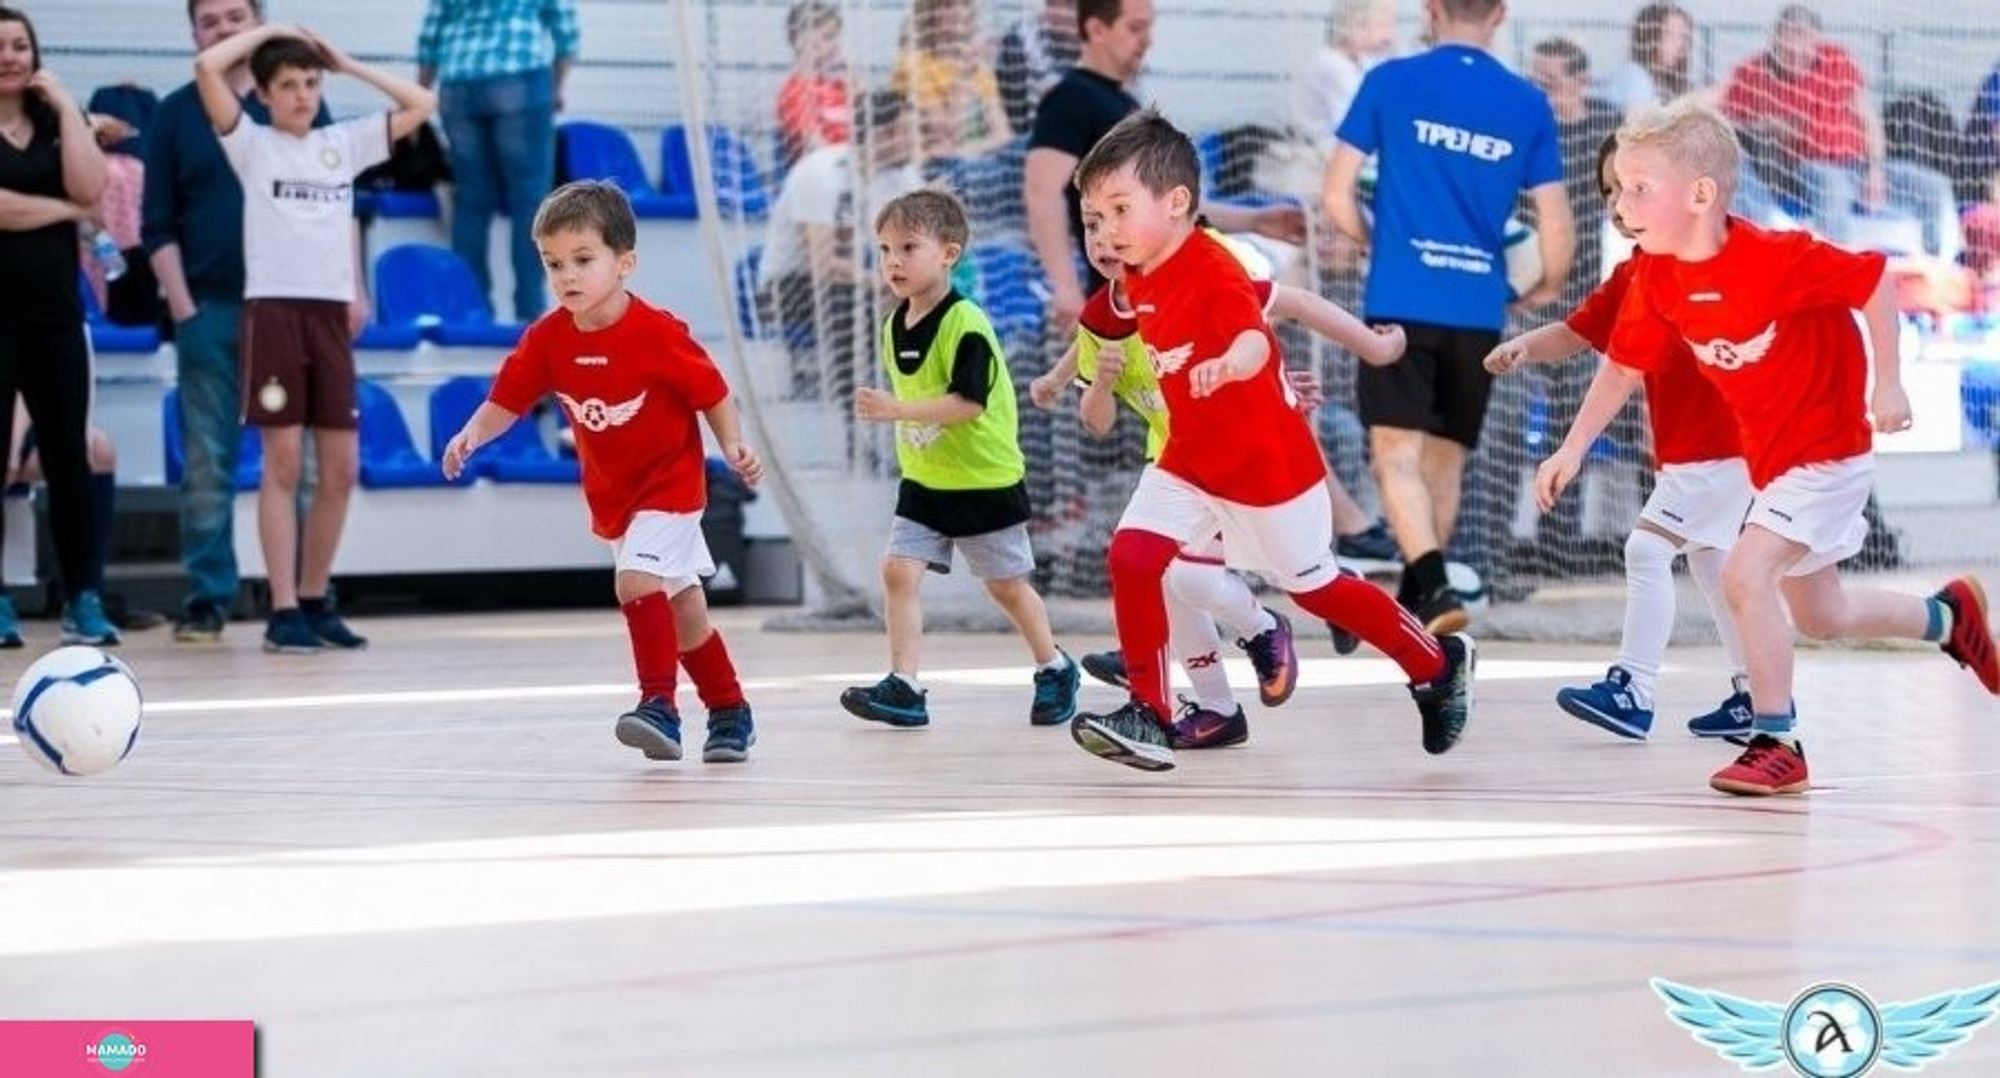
point(653, 727)
point(1055, 692)
point(731, 732)
point(287, 632)
point(890, 700)
point(1731, 718)
point(1610, 704)
point(10, 625)
point(83, 621)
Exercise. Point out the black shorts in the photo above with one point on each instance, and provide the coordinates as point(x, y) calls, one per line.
point(1439, 387)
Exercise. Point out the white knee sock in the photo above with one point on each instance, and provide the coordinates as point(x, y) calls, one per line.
point(1192, 635)
point(1210, 587)
point(1649, 609)
point(1705, 565)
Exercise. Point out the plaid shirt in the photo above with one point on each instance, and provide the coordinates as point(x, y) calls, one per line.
point(480, 39)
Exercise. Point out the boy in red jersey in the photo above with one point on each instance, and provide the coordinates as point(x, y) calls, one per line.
point(1239, 458)
point(1700, 495)
point(1770, 319)
point(633, 382)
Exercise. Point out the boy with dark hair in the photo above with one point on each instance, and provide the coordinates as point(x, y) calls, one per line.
point(633, 381)
point(300, 278)
point(963, 486)
point(1240, 460)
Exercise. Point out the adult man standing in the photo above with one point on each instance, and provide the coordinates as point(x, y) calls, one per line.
point(1457, 137)
point(191, 225)
point(499, 67)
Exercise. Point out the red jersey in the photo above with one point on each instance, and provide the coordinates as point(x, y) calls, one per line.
point(813, 110)
point(1245, 442)
point(1770, 320)
point(632, 390)
point(1690, 423)
point(1816, 105)
point(1103, 316)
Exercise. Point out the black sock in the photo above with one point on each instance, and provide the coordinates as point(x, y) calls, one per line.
point(1425, 575)
point(103, 506)
point(313, 607)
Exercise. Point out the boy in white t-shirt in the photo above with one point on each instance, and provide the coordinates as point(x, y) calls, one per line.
point(300, 312)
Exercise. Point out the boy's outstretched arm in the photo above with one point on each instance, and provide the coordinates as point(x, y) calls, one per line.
point(414, 104)
point(1245, 356)
point(1889, 404)
point(212, 67)
point(882, 406)
point(488, 422)
point(742, 460)
point(1610, 388)
point(1047, 387)
point(1543, 344)
point(1377, 346)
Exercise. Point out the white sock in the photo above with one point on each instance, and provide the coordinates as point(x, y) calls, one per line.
point(1060, 662)
point(1192, 636)
point(1212, 588)
point(907, 679)
point(1649, 610)
point(1705, 566)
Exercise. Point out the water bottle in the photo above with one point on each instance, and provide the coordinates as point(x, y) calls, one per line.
point(109, 258)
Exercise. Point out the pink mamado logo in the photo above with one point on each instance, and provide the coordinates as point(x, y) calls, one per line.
point(115, 1052)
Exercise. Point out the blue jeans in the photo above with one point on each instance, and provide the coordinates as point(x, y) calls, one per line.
point(502, 132)
point(212, 435)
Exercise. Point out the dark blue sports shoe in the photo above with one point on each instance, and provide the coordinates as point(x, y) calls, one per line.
point(653, 727)
point(1730, 719)
point(730, 735)
point(1344, 642)
point(1446, 701)
point(1108, 667)
point(289, 633)
point(1055, 692)
point(327, 624)
point(890, 700)
point(1371, 550)
point(1610, 704)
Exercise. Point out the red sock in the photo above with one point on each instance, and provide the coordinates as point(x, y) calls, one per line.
point(1369, 613)
point(649, 620)
point(1138, 561)
point(714, 676)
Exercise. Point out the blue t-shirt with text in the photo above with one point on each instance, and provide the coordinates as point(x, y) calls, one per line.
point(1457, 137)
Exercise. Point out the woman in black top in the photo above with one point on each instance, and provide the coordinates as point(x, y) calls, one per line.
point(51, 175)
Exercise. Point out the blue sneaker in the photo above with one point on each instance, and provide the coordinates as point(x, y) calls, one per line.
point(653, 727)
point(891, 701)
point(1055, 692)
point(83, 621)
point(289, 633)
point(1610, 704)
point(10, 625)
point(730, 735)
point(1108, 667)
point(1731, 718)
point(1372, 550)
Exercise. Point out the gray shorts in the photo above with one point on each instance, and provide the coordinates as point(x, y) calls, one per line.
point(1001, 555)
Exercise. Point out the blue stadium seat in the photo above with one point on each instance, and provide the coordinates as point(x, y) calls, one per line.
point(418, 205)
point(594, 151)
point(433, 290)
point(1011, 290)
point(108, 336)
point(1979, 397)
point(740, 189)
point(389, 456)
point(249, 455)
point(517, 456)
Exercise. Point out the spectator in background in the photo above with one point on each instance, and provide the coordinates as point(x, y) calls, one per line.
point(1035, 53)
point(119, 117)
point(499, 67)
point(51, 176)
point(1807, 98)
point(813, 108)
point(954, 90)
point(1361, 35)
point(1655, 70)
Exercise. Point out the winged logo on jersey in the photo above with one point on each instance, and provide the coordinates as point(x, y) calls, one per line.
point(1830, 1030)
point(1729, 355)
point(919, 435)
point(1171, 360)
point(596, 416)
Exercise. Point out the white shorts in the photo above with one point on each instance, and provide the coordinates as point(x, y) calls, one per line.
point(666, 545)
point(1819, 507)
point(1292, 542)
point(1703, 503)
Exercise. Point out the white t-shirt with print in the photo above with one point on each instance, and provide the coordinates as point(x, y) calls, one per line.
point(298, 204)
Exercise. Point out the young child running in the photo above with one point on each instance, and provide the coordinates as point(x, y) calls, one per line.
point(964, 480)
point(1109, 361)
point(1241, 460)
point(633, 381)
point(1700, 495)
point(1770, 318)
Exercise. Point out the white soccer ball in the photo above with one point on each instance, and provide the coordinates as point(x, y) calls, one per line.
point(1522, 247)
point(76, 711)
point(1465, 580)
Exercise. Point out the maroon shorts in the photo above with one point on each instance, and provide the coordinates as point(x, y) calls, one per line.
point(298, 364)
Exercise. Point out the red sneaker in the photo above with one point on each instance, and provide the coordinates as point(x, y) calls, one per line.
point(1971, 640)
point(1768, 766)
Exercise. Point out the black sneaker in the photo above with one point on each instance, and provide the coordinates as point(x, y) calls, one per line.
point(1055, 692)
point(1446, 701)
point(890, 700)
point(1108, 667)
point(326, 622)
point(1442, 612)
point(653, 727)
point(289, 633)
point(1131, 735)
point(730, 735)
point(201, 623)
point(1344, 642)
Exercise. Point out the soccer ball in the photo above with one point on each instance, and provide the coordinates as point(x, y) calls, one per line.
point(1465, 580)
point(1522, 247)
point(76, 711)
